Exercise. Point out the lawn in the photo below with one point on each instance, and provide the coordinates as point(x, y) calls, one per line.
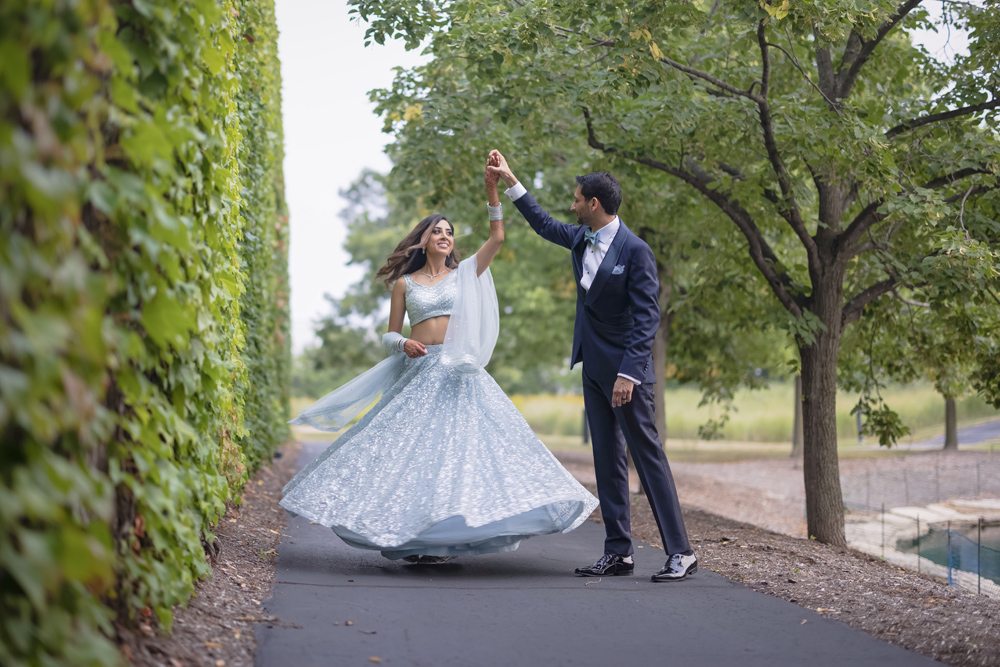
point(763, 416)
point(759, 427)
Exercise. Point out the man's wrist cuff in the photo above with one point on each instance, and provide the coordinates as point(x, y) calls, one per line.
point(516, 191)
point(629, 377)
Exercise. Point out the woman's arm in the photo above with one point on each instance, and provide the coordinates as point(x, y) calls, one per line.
point(492, 245)
point(397, 310)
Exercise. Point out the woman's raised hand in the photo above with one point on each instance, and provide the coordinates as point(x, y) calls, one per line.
point(492, 177)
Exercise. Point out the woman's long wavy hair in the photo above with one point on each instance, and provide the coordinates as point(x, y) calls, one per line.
point(409, 255)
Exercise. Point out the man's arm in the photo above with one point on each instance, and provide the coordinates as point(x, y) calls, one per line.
point(643, 291)
point(544, 224)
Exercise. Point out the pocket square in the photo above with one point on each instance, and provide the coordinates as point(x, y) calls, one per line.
point(619, 268)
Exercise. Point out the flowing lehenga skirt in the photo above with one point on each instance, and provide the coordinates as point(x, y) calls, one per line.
point(442, 465)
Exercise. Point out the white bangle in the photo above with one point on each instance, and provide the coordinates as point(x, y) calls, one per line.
point(393, 342)
point(496, 212)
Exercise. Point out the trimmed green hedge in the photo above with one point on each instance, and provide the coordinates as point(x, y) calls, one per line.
point(144, 355)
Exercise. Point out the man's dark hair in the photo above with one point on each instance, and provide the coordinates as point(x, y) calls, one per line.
point(604, 187)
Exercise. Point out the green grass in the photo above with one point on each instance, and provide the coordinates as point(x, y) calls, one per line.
point(761, 416)
point(760, 427)
point(722, 451)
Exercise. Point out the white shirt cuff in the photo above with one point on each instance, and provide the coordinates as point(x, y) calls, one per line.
point(622, 375)
point(516, 192)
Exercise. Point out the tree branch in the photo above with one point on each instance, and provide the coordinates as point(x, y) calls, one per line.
point(945, 115)
point(921, 304)
point(718, 83)
point(992, 294)
point(846, 82)
point(833, 105)
point(793, 215)
point(851, 51)
point(977, 190)
point(948, 179)
point(760, 252)
point(852, 311)
point(869, 215)
point(824, 67)
point(769, 194)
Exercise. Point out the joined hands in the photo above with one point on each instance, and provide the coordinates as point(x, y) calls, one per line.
point(491, 176)
point(497, 164)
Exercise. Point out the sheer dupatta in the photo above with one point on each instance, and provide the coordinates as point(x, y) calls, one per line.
point(468, 345)
point(475, 321)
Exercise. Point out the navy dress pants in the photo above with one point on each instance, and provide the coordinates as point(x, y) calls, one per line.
point(632, 425)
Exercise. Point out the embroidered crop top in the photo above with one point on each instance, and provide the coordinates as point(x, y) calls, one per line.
point(426, 301)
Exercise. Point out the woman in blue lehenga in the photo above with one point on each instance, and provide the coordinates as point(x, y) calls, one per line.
point(443, 465)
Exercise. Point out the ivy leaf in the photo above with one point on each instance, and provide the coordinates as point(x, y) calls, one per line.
point(103, 197)
point(15, 72)
point(145, 143)
point(166, 321)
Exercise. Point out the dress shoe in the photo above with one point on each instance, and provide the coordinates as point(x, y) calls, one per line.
point(608, 566)
point(435, 560)
point(677, 567)
point(429, 560)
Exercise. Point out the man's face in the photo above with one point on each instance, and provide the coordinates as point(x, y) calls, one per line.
point(583, 208)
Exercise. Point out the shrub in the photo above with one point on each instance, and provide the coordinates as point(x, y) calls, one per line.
point(143, 347)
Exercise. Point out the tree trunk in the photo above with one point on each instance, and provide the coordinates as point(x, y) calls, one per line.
point(950, 425)
point(797, 438)
point(660, 364)
point(820, 465)
point(821, 468)
point(660, 344)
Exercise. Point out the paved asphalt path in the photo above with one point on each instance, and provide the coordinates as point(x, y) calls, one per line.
point(970, 435)
point(526, 608)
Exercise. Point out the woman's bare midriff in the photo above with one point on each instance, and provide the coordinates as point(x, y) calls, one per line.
point(431, 331)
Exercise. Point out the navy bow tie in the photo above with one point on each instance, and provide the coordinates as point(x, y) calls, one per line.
point(592, 237)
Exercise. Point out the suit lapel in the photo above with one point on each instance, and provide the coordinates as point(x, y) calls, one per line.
point(608, 263)
point(577, 252)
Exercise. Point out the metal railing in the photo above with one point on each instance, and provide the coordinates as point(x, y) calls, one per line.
point(920, 486)
point(957, 551)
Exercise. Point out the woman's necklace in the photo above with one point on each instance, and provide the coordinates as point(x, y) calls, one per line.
point(432, 276)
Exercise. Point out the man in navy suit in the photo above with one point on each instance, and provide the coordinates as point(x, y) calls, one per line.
point(617, 314)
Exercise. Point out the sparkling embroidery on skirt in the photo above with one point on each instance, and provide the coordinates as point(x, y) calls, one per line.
point(443, 464)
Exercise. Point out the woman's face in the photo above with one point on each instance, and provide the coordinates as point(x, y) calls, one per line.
point(441, 241)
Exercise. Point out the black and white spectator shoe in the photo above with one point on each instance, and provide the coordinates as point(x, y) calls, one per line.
point(677, 567)
point(609, 565)
point(429, 560)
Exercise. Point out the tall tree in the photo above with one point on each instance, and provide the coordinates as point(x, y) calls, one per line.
point(850, 161)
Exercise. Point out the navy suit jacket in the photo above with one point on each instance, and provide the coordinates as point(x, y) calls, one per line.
point(617, 319)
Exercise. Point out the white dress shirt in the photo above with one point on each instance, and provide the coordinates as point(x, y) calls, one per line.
point(593, 255)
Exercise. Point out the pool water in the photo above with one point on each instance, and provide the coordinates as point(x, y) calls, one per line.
point(964, 552)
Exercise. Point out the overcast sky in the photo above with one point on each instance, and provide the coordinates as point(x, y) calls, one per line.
point(331, 135)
